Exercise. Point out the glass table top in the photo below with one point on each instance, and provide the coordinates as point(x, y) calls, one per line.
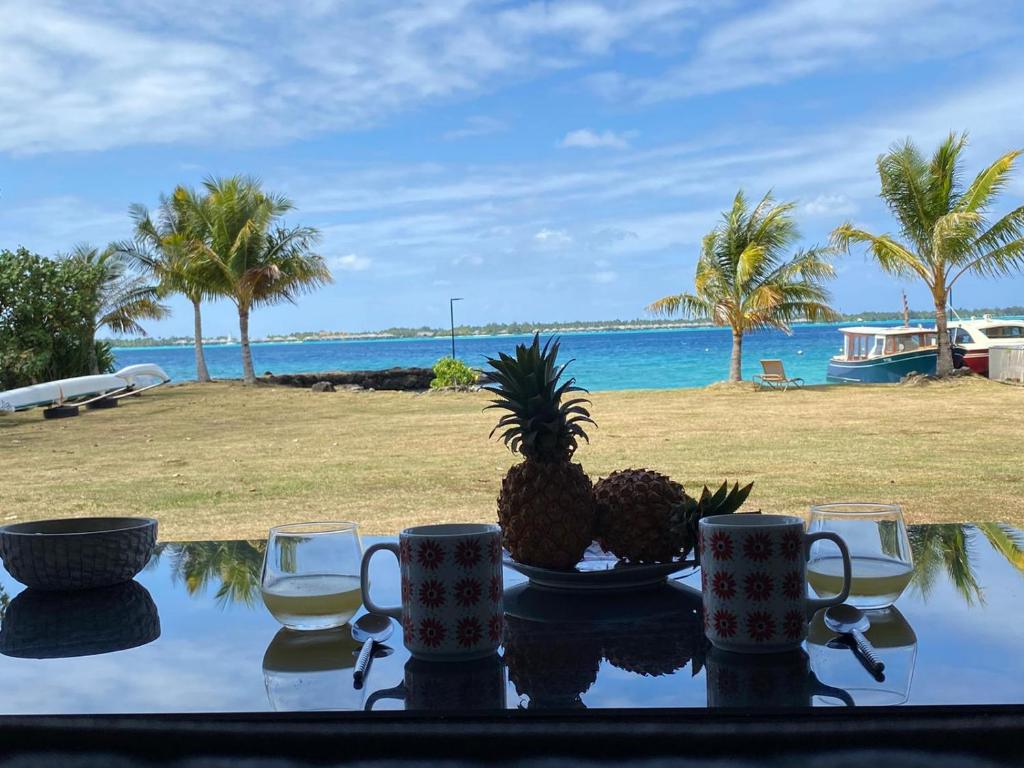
point(191, 634)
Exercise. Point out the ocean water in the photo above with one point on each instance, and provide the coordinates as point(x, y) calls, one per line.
point(654, 359)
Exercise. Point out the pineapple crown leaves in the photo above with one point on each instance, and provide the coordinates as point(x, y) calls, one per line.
point(538, 424)
point(686, 516)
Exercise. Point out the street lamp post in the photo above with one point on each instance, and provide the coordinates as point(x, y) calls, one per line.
point(451, 311)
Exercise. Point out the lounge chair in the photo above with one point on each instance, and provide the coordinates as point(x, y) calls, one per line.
point(774, 376)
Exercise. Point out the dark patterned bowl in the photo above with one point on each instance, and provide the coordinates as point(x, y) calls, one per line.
point(81, 553)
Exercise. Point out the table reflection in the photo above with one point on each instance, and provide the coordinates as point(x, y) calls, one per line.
point(311, 670)
point(440, 686)
point(55, 625)
point(757, 681)
point(895, 644)
point(215, 648)
point(555, 642)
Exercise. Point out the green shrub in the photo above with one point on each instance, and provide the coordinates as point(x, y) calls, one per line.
point(449, 372)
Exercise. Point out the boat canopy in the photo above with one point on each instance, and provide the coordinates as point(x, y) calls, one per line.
point(866, 342)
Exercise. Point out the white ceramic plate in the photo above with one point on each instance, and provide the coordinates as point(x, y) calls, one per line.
point(599, 570)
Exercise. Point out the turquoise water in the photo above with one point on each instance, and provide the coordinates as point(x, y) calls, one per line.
point(655, 359)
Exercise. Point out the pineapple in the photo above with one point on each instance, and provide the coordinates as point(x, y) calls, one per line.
point(645, 517)
point(546, 507)
point(633, 512)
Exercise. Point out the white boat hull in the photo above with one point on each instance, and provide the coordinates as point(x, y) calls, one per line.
point(143, 374)
point(56, 392)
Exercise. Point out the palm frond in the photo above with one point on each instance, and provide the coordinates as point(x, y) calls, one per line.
point(988, 184)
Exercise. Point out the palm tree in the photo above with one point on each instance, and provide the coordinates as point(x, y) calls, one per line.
point(258, 262)
point(744, 280)
point(120, 298)
point(946, 233)
point(170, 252)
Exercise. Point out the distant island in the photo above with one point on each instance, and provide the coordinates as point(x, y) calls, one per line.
point(524, 328)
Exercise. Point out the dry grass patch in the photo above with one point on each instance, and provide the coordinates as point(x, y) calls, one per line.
point(225, 461)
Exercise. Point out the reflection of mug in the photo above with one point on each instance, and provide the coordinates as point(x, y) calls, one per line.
point(765, 680)
point(754, 581)
point(436, 686)
point(311, 670)
point(54, 625)
point(895, 645)
point(451, 590)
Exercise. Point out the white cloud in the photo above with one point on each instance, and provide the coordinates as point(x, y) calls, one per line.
point(350, 262)
point(95, 75)
point(553, 237)
point(584, 138)
point(478, 125)
point(829, 205)
point(604, 277)
point(790, 39)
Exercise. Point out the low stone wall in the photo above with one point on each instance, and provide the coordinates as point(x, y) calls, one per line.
point(404, 379)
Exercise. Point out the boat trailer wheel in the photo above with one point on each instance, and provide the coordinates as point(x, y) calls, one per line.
point(103, 402)
point(60, 412)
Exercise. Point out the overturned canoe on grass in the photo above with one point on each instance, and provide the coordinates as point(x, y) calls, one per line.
point(80, 389)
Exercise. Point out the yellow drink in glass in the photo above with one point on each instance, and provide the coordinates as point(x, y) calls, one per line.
point(313, 601)
point(876, 581)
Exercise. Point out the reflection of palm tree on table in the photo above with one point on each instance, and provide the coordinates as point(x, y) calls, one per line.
point(5, 600)
point(948, 547)
point(236, 565)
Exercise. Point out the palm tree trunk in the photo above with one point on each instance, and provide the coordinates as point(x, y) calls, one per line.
point(248, 375)
point(944, 365)
point(736, 364)
point(201, 372)
point(94, 363)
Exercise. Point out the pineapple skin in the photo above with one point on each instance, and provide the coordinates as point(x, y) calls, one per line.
point(546, 513)
point(634, 511)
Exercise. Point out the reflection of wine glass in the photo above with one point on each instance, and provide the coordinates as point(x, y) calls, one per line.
point(311, 574)
point(311, 670)
point(895, 644)
point(879, 552)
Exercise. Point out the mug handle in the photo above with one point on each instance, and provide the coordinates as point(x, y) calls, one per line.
point(814, 604)
point(364, 581)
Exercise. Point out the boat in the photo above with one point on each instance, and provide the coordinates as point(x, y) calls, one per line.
point(872, 355)
point(84, 390)
point(977, 337)
point(56, 393)
point(143, 375)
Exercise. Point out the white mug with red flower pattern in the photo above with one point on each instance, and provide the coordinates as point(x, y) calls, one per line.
point(754, 581)
point(451, 590)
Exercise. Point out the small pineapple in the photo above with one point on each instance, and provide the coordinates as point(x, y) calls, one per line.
point(546, 507)
point(645, 517)
point(633, 509)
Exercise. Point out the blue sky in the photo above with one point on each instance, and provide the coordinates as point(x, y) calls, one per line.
point(546, 161)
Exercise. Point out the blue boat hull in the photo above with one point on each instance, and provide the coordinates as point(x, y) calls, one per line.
point(882, 370)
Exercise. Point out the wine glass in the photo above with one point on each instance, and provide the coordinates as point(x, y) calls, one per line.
point(310, 575)
point(876, 536)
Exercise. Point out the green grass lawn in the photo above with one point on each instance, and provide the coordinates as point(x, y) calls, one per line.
point(226, 461)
